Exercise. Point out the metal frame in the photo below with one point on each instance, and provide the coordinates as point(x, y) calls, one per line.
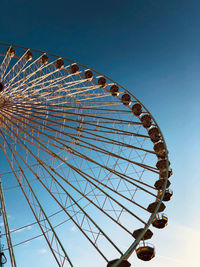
point(126, 255)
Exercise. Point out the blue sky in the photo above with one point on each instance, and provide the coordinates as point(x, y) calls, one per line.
point(152, 49)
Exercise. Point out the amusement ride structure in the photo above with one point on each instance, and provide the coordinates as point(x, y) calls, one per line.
point(83, 163)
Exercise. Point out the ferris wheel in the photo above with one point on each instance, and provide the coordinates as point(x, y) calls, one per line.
point(84, 165)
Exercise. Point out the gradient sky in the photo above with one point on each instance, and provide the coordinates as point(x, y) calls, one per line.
point(151, 47)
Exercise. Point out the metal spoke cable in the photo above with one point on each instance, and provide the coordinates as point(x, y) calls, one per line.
point(64, 133)
point(67, 147)
point(39, 205)
point(82, 173)
point(62, 207)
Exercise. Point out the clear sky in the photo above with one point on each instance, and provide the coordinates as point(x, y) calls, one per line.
point(151, 47)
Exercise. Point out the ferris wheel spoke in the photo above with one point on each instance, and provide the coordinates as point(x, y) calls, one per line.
point(125, 171)
point(117, 173)
point(104, 151)
point(115, 130)
point(40, 109)
point(62, 90)
point(142, 158)
point(41, 80)
point(32, 72)
point(39, 85)
point(6, 225)
point(52, 240)
point(59, 203)
point(88, 177)
point(16, 70)
point(105, 141)
point(18, 229)
point(96, 180)
point(132, 194)
point(82, 173)
point(85, 98)
point(5, 63)
point(70, 197)
point(118, 111)
point(130, 179)
point(21, 228)
point(41, 90)
point(15, 86)
point(74, 94)
point(38, 79)
point(64, 106)
point(50, 152)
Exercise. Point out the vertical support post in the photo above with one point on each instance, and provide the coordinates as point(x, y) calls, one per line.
point(1, 264)
point(2, 256)
point(7, 231)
